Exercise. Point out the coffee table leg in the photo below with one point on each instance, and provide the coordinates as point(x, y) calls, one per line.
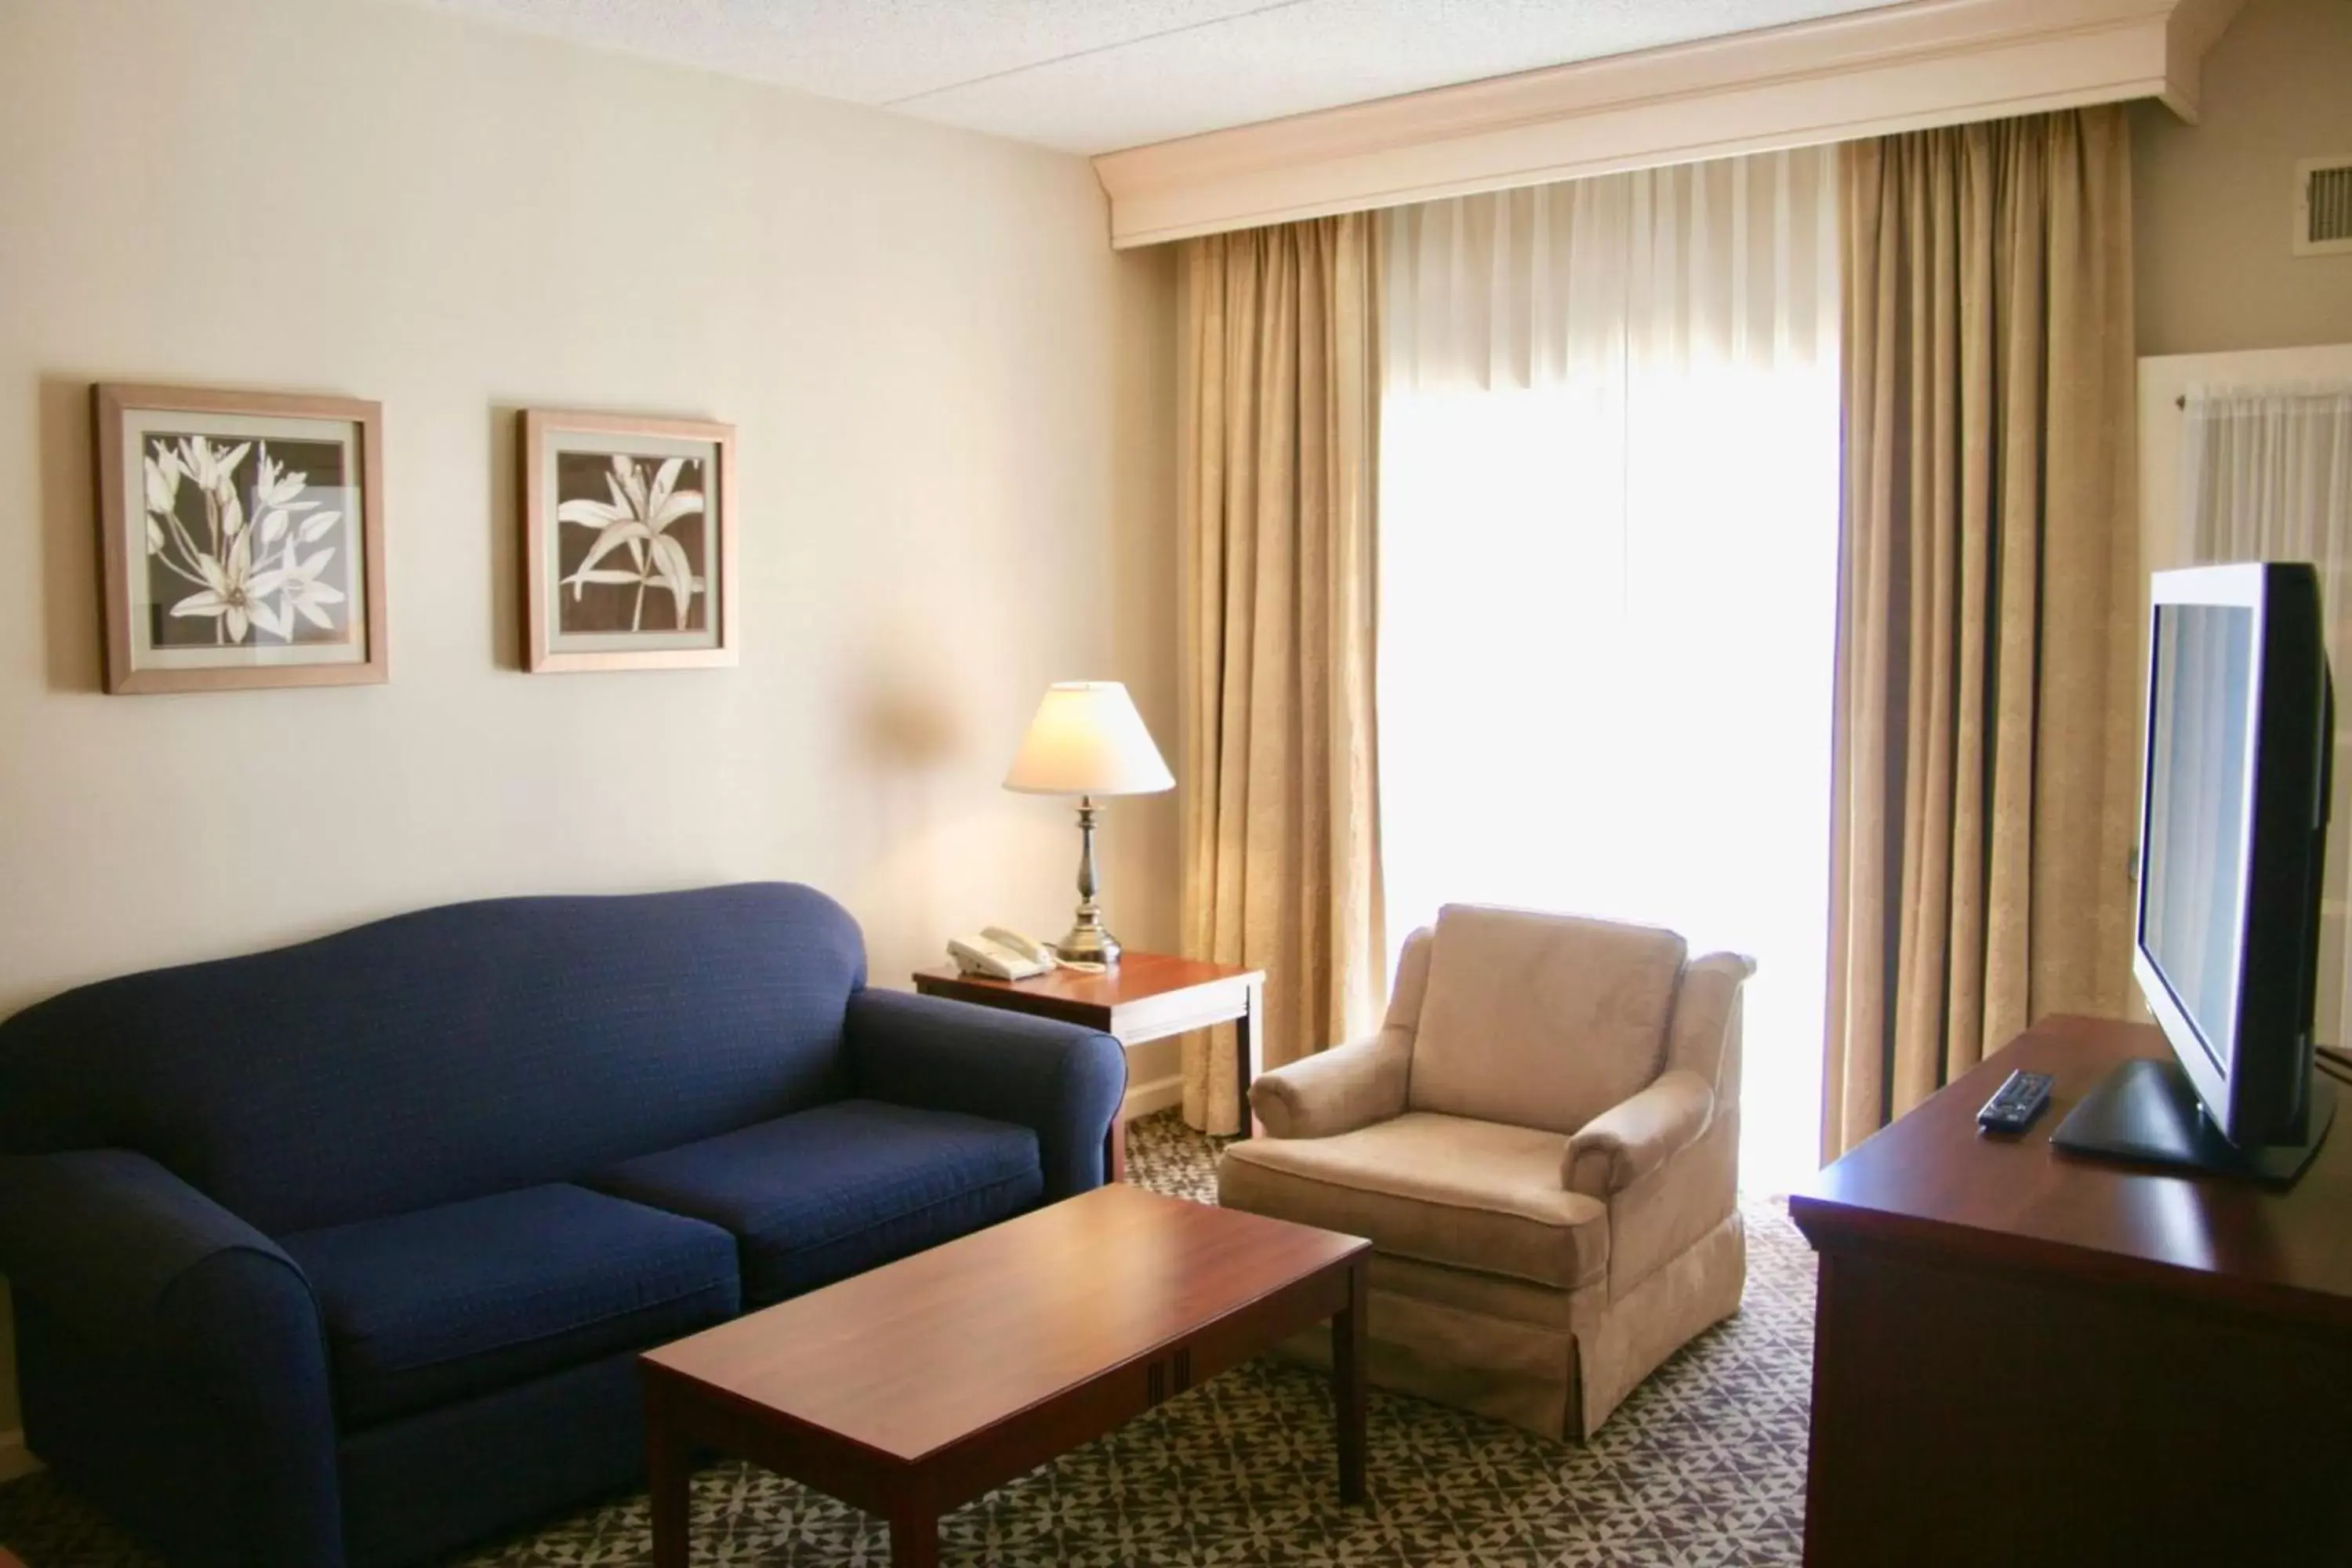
point(914, 1539)
point(1348, 1353)
point(668, 1477)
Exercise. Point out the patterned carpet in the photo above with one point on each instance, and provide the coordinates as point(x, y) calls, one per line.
point(1705, 1464)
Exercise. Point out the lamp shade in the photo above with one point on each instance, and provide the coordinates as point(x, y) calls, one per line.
point(1088, 739)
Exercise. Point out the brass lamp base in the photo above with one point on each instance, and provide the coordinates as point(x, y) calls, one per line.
point(1088, 941)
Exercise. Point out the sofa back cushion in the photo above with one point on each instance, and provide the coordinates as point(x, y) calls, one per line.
point(1540, 1020)
point(447, 1054)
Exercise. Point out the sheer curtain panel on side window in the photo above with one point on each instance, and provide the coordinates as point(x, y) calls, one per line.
point(1609, 504)
point(2266, 475)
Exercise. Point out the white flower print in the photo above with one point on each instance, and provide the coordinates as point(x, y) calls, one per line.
point(300, 591)
point(250, 563)
point(228, 592)
point(638, 516)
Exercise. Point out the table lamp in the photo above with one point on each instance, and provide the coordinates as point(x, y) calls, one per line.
point(1087, 740)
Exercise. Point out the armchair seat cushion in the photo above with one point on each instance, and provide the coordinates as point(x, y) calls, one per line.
point(425, 1308)
point(1442, 1189)
point(825, 1194)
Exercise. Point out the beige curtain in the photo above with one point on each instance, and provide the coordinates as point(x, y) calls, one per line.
point(1279, 426)
point(1986, 700)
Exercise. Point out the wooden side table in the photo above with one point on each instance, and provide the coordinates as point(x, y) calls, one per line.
point(1149, 996)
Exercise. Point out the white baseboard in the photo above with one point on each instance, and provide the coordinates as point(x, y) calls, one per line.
point(1149, 1099)
point(16, 1459)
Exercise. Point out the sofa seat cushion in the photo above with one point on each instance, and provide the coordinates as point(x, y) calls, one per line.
point(425, 1308)
point(825, 1194)
point(1442, 1189)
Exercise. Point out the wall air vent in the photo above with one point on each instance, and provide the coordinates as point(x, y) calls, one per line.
point(2323, 207)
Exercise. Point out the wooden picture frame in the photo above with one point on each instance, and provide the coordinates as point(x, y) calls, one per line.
point(618, 571)
point(227, 566)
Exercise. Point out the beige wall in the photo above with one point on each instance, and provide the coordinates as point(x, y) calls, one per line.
point(955, 415)
point(2214, 201)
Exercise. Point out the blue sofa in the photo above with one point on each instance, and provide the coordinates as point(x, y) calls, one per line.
point(342, 1254)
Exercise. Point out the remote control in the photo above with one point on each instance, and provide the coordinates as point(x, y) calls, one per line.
point(2014, 1106)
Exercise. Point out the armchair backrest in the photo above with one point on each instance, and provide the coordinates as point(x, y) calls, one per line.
point(1537, 1020)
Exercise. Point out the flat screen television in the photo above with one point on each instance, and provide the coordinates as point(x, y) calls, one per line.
point(2233, 834)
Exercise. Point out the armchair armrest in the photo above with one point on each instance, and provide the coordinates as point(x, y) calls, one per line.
point(1062, 1081)
point(1337, 1090)
point(1634, 1137)
point(140, 1266)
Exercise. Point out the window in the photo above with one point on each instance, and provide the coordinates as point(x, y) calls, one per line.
point(1609, 498)
point(2266, 475)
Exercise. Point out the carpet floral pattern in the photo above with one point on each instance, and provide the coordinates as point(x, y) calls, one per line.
point(1704, 1464)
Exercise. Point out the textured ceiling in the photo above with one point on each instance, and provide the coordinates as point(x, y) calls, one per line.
point(1092, 75)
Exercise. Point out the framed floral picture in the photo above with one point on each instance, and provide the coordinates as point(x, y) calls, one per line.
point(242, 534)
point(628, 541)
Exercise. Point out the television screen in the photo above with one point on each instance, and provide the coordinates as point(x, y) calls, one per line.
point(2232, 836)
point(2194, 876)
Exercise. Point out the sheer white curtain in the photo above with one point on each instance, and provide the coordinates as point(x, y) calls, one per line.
point(1609, 504)
point(2267, 476)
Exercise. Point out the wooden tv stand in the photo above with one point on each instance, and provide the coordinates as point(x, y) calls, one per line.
point(2022, 1357)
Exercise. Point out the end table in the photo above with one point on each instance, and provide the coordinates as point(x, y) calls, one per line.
point(1149, 996)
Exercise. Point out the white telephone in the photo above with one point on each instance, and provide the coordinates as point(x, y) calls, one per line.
point(1001, 954)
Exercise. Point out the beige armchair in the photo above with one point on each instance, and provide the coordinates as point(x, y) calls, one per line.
point(1542, 1143)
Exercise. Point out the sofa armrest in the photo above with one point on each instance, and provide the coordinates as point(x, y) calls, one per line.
point(1062, 1081)
point(143, 1268)
point(1633, 1138)
point(1337, 1090)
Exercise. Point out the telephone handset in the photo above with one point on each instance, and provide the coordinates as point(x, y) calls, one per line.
point(1001, 954)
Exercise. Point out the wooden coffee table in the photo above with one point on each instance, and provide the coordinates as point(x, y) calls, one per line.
point(912, 1389)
